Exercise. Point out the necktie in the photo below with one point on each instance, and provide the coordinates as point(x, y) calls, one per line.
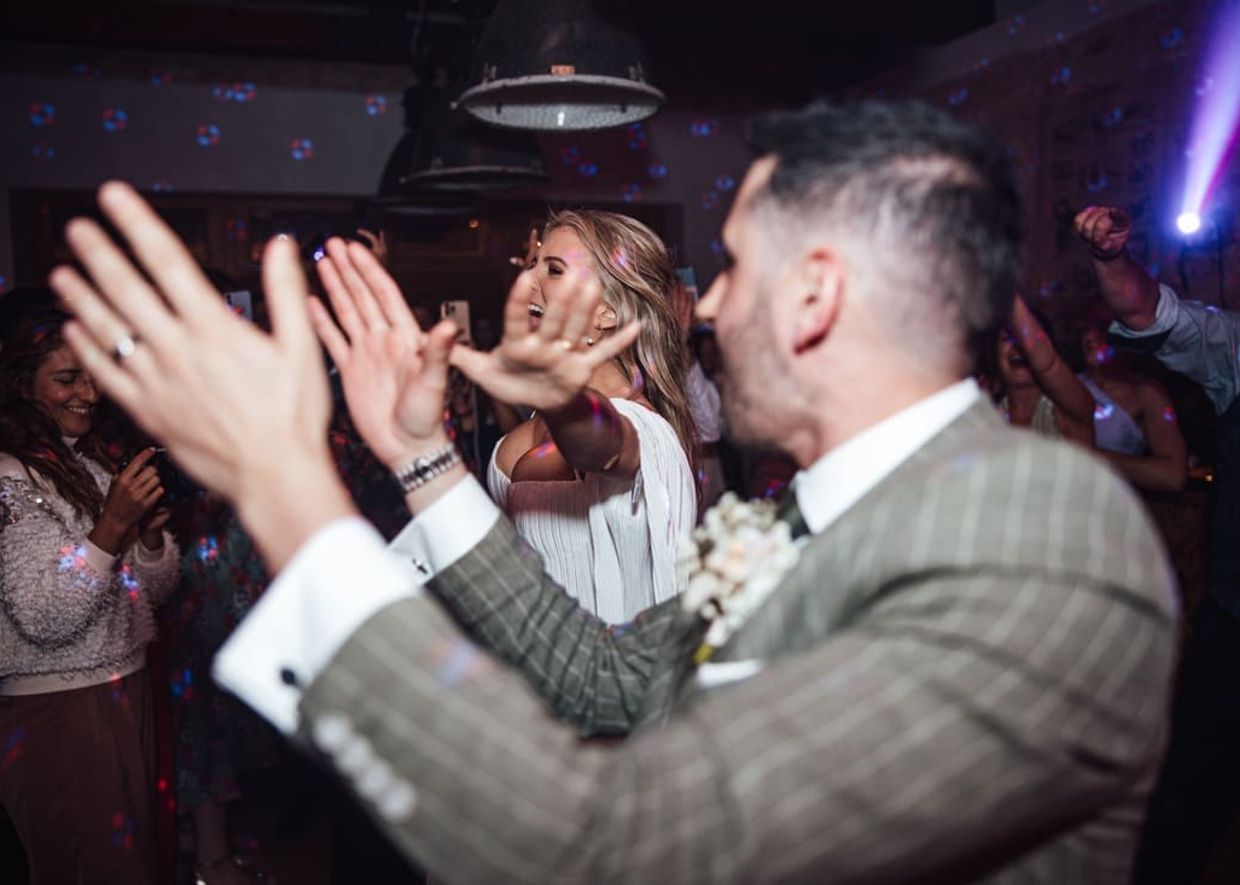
point(788, 511)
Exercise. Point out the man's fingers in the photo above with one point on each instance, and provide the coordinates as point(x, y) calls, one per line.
point(580, 316)
point(101, 322)
point(331, 336)
point(342, 301)
point(365, 303)
point(117, 383)
point(560, 302)
point(517, 307)
point(161, 253)
point(284, 286)
point(615, 344)
point(395, 311)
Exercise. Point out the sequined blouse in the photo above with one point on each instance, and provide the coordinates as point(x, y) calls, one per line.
point(71, 614)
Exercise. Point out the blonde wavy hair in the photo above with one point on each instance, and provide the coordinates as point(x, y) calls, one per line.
point(637, 276)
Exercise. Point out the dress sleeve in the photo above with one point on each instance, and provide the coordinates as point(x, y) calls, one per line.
point(50, 588)
point(666, 485)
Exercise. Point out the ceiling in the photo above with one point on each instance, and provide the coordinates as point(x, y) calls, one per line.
point(755, 52)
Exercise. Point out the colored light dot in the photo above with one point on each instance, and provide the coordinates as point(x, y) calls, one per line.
point(376, 105)
point(587, 169)
point(115, 120)
point(959, 97)
point(474, 223)
point(43, 151)
point(1061, 76)
point(1188, 222)
point(161, 78)
point(301, 148)
point(569, 155)
point(710, 201)
point(1172, 38)
point(725, 183)
point(208, 135)
point(704, 127)
point(630, 192)
point(42, 114)
point(161, 186)
point(656, 170)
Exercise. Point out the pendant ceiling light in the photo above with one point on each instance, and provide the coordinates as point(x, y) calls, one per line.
point(454, 152)
point(560, 65)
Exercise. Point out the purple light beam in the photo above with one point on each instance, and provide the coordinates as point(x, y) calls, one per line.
point(1214, 125)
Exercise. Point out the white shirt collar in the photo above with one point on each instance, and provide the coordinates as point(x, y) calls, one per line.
point(839, 479)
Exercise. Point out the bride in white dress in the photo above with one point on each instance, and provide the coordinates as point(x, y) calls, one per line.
point(603, 488)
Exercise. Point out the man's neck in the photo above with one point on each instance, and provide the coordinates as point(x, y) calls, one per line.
point(846, 410)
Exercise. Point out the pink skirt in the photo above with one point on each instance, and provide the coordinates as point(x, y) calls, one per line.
point(77, 779)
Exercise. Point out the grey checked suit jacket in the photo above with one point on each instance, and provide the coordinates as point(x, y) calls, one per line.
point(963, 679)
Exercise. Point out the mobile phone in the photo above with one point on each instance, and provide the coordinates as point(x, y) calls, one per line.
point(689, 279)
point(458, 312)
point(241, 302)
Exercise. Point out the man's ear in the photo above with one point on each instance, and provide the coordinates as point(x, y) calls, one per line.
point(818, 304)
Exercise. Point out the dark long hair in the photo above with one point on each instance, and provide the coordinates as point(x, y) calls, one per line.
point(31, 332)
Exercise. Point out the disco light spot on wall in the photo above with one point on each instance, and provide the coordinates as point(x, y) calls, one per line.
point(630, 192)
point(1016, 25)
point(1171, 38)
point(1061, 76)
point(1111, 118)
point(656, 171)
point(704, 127)
point(115, 120)
point(237, 91)
point(724, 182)
point(959, 97)
point(160, 78)
point(587, 169)
point(43, 151)
point(376, 105)
point(710, 201)
point(4, 282)
point(301, 148)
point(81, 69)
point(162, 186)
point(570, 154)
point(1095, 6)
point(208, 135)
point(1097, 182)
point(42, 113)
point(236, 230)
point(637, 138)
point(122, 831)
point(716, 247)
point(981, 66)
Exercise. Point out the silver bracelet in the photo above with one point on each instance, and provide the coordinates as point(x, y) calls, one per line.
point(424, 468)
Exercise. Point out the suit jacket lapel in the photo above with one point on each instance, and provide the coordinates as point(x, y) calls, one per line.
point(819, 591)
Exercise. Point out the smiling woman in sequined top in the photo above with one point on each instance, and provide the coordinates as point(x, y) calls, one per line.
point(84, 561)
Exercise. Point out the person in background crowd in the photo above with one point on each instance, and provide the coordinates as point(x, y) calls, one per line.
point(1135, 425)
point(84, 562)
point(705, 405)
point(1199, 788)
point(1040, 390)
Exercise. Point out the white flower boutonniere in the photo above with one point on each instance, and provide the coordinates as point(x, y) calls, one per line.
point(731, 563)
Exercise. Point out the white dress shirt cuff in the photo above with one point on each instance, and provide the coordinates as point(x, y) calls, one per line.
point(448, 529)
point(333, 584)
point(1165, 316)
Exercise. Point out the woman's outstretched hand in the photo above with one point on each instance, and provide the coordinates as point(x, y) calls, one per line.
point(394, 375)
point(548, 366)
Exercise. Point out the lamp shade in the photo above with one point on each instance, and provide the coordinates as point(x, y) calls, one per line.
point(454, 152)
point(560, 65)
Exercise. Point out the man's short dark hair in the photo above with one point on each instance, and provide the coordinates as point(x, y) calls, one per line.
point(907, 177)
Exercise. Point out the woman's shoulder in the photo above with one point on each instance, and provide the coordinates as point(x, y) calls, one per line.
point(11, 468)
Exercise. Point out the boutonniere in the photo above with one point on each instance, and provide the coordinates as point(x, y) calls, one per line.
point(731, 563)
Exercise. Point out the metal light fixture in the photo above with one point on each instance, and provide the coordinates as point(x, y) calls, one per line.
point(560, 65)
point(454, 152)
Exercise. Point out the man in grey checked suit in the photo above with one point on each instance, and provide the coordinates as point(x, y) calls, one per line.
point(963, 677)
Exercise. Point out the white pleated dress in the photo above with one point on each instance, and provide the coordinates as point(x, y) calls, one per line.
point(610, 543)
